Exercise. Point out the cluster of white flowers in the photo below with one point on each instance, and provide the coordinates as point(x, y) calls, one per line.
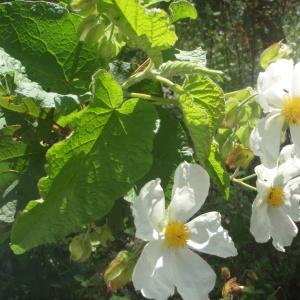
point(276, 206)
point(167, 261)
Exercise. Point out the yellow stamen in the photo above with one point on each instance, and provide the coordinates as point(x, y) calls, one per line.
point(176, 234)
point(276, 197)
point(291, 110)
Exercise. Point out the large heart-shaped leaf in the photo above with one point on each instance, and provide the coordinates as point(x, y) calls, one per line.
point(107, 152)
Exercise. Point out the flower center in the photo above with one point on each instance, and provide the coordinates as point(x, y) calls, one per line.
point(291, 110)
point(276, 197)
point(176, 234)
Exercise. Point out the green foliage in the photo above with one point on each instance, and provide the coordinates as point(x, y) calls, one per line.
point(77, 140)
point(203, 109)
point(10, 148)
point(187, 63)
point(107, 152)
point(169, 150)
point(57, 61)
point(148, 30)
point(182, 9)
point(16, 83)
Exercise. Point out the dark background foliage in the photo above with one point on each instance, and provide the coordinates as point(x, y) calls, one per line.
point(233, 33)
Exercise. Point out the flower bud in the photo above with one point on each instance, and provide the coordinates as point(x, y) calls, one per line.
point(120, 270)
point(90, 30)
point(101, 236)
point(239, 157)
point(84, 7)
point(225, 273)
point(231, 288)
point(109, 47)
point(80, 248)
point(273, 53)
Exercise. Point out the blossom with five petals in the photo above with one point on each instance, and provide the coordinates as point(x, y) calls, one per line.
point(276, 206)
point(166, 261)
point(279, 96)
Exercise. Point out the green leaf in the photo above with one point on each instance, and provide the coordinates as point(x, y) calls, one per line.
point(197, 56)
point(44, 36)
point(107, 152)
point(216, 169)
point(182, 9)
point(21, 159)
point(10, 148)
point(26, 106)
point(177, 68)
point(7, 176)
point(203, 109)
point(149, 30)
point(30, 89)
point(170, 149)
point(187, 63)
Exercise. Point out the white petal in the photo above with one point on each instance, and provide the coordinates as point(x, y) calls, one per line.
point(191, 185)
point(283, 228)
point(265, 139)
point(287, 171)
point(208, 236)
point(256, 137)
point(292, 199)
point(149, 210)
point(275, 82)
point(295, 134)
point(152, 273)
point(265, 177)
point(260, 226)
point(194, 278)
point(270, 142)
point(296, 80)
point(286, 153)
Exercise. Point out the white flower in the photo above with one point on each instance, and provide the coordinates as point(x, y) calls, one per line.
point(279, 96)
point(166, 261)
point(276, 205)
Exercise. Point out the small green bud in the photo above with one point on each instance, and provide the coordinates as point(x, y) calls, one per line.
point(120, 270)
point(80, 248)
point(107, 49)
point(90, 30)
point(239, 157)
point(273, 53)
point(101, 236)
point(84, 7)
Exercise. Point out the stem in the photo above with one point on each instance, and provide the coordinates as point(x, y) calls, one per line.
point(138, 76)
point(134, 79)
point(248, 177)
point(248, 186)
point(10, 171)
point(236, 171)
point(246, 100)
point(175, 87)
point(152, 98)
point(111, 31)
